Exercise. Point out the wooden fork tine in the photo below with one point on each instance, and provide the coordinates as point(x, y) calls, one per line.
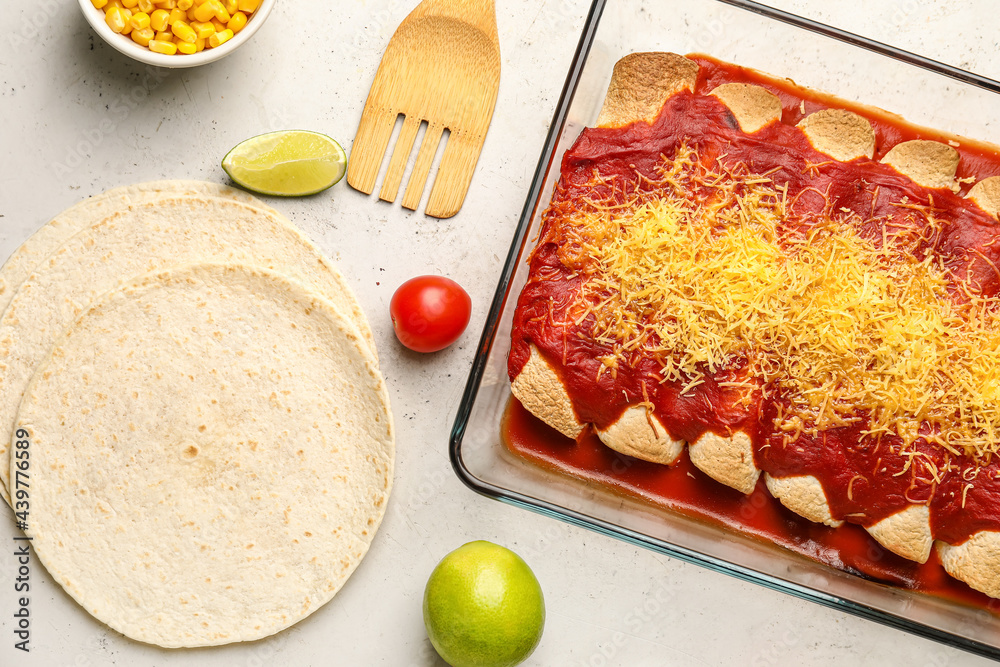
point(404, 145)
point(418, 178)
point(455, 174)
point(369, 148)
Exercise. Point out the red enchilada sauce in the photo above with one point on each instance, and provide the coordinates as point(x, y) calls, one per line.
point(866, 479)
point(683, 488)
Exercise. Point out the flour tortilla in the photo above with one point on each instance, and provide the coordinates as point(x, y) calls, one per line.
point(753, 107)
point(211, 454)
point(986, 193)
point(142, 238)
point(92, 210)
point(541, 390)
point(841, 134)
point(931, 164)
point(641, 84)
point(975, 561)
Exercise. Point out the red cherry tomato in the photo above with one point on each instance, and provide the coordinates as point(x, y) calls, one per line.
point(429, 313)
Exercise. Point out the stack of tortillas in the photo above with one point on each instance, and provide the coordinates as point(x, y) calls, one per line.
point(209, 441)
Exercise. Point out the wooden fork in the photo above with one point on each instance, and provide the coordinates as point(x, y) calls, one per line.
point(441, 66)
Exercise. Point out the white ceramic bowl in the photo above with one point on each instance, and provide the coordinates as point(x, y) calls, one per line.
point(124, 43)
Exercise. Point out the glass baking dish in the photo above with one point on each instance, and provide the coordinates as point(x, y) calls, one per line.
point(814, 55)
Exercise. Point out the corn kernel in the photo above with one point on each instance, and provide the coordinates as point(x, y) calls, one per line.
point(248, 6)
point(203, 30)
point(238, 22)
point(165, 4)
point(184, 32)
point(232, 6)
point(142, 36)
point(199, 45)
point(204, 11)
point(218, 25)
point(191, 18)
point(218, 10)
point(113, 3)
point(115, 19)
point(140, 21)
point(158, 20)
point(185, 5)
point(146, 6)
point(158, 46)
point(186, 48)
point(127, 15)
point(220, 38)
point(164, 36)
point(175, 16)
point(130, 3)
point(99, 4)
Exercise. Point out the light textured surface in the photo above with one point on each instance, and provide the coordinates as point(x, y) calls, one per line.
point(147, 237)
point(609, 603)
point(212, 454)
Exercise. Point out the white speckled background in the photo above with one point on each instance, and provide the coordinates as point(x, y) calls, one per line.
point(79, 118)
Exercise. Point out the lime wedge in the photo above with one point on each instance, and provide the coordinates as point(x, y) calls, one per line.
point(288, 163)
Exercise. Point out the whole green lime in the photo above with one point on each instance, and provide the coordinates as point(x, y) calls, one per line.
point(483, 607)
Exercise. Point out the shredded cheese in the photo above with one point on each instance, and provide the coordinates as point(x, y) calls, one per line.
point(703, 268)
